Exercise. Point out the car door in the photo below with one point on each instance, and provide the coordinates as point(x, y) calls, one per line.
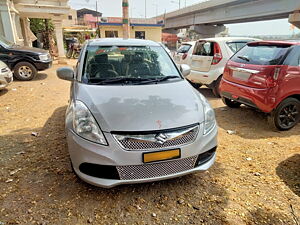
point(202, 56)
point(4, 56)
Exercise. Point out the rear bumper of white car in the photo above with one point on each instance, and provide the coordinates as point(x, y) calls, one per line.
point(206, 78)
point(109, 166)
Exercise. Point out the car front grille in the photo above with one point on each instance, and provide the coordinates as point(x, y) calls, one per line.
point(142, 142)
point(156, 169)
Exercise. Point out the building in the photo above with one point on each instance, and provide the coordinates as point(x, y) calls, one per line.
point(88, 17)
point(139, 28)
point(15, 14)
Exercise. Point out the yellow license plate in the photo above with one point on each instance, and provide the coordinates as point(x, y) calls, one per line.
point(161, 156)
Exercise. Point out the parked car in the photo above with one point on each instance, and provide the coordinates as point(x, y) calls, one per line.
point(25, 62)
point(133, 117)
point(207, 58)
point(6, 76)
point(266, 75)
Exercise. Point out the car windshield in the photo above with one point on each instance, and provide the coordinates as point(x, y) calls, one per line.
point(115, 64)
point(261, 54)
point(5, 43)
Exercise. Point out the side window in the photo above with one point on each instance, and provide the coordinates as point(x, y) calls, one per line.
point(293, 58)
point(204, 49)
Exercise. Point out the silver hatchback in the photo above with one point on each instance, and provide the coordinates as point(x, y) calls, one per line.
point(133, 117)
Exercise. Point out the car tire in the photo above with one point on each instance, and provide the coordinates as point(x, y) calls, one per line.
point(216, 87)
point(286, 115)
point(195, 85)
point(24, 71)
point(231, 103)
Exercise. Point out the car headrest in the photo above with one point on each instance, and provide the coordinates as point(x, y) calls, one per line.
point(103, 58)
point(138, 58)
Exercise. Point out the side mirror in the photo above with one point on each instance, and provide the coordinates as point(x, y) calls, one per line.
point(65, 73)
point(185, 69)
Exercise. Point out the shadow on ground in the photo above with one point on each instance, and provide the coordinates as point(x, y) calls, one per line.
point(247, 122)
point(3, 92)
point(289, 171)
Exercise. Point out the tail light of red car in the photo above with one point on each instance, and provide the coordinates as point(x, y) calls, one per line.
point(217, 54)
point(272, 80)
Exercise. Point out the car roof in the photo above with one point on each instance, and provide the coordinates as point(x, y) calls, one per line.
point(290, 42)
point(121, 42)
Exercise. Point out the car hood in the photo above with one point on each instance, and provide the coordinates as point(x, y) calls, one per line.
point(37, 51)
point(142, 107)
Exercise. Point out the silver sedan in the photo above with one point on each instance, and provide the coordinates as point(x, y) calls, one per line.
point(133, 117)
point(6, 76)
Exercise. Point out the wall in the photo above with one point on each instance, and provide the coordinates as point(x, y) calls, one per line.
point(70, 22)
point(152, 33)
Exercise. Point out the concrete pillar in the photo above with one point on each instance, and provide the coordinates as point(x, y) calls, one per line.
point(25, 26)
point(60, 41)
point(8, 22)
point(208, 31)
point(295, 19)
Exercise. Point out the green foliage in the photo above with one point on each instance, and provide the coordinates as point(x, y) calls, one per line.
point(40, 25)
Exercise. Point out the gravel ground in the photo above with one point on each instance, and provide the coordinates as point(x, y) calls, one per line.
point(255, 180)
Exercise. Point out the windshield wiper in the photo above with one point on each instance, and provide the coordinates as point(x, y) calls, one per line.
point(158, 79)
point(244, 58)
point(118, 80)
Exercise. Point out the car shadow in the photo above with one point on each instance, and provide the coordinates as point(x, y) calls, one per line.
point(289, 171)
point(247, 122)
point(3, 92)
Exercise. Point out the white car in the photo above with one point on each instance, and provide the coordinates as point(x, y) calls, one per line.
point(207, 59)
point(6, 76)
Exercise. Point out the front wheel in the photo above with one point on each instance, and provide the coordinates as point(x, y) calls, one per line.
point(24, 71)
point(230, 103)
point(286, 115)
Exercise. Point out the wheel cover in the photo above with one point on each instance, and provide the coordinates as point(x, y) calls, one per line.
point(25, 71)
point(288, 116)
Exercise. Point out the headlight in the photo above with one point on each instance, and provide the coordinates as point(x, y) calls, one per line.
point(209, 115)
point(85, 125)
point(44, 57)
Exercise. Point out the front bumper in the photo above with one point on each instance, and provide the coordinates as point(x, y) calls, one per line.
point(43, 65)
point(85, 152)
point(5, 79)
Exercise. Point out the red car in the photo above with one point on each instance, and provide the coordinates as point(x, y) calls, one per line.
point(265, 75)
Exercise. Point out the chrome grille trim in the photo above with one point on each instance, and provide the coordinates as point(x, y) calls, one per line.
point(175, 138)
point(152, 170)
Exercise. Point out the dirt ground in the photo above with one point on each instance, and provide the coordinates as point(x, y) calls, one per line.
point(255, 180)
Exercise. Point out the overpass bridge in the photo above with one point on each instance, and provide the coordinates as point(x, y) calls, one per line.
point(208, 17)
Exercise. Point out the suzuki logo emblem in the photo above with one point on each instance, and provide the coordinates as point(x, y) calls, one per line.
point(161, 138)
point(243, 65)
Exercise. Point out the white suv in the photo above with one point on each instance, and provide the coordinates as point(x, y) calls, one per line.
point(207, 59)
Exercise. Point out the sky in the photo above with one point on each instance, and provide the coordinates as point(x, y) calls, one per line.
point(112, 8)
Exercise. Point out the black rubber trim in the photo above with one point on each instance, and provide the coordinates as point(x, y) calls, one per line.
point(205, 157)
point(241, 100)
point(99, 171)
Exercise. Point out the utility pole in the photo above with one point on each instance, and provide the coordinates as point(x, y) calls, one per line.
point(145, 9)
point(97, 21)
point(125, 6)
